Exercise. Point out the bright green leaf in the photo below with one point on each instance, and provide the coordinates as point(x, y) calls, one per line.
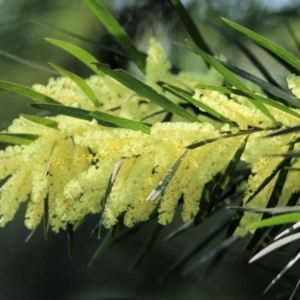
point(120, 122)
point(42, 121)
point(25, 91)
point(80, 82)
point(17, 138)
point(146, 91)
point(277, 220)
point(79, 53)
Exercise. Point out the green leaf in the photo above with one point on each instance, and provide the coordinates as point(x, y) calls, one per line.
point(181, 229)
point(147, 246)
point(284, 131)
point(40, 120)
point(272, 202)
point(225, 136)
point(277, 220)
point(118, 33)
point(229, 77)
point(267, 44)
point(279, 167)
point(227, 175)
point(17, 138)
point(205, 200)
point(146, 91)
point(248, 94)
point(267, 87)
point(288, 266)
point(28, 63)
point(106, 242)
point(73, 112)
point(217, 250)
point(188, 97)
point(166, 179)
point(80, 82)
point(25, 91)
point(78, 52)
point(244, 49)
point(120, 122)
point(190, 26)
point(197, 247)
point(272, 210)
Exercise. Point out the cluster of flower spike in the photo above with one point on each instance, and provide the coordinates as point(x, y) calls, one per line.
point(72, 165)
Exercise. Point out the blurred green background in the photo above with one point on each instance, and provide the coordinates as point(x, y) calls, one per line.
point(41, 269)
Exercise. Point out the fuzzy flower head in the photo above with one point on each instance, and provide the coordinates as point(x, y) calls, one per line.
point(67, 170)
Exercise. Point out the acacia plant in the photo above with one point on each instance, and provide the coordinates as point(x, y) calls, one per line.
point(130, 149)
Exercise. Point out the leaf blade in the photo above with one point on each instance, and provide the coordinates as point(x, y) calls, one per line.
point(121, 122)
point(118, 33)
point(78, 52)
point(146, 91)
point(267, 44)
point(26, 92)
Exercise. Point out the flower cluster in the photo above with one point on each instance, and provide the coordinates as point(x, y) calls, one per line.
point(70, 167)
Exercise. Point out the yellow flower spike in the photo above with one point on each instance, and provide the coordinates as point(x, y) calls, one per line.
point(10, 160)
point(13, 193)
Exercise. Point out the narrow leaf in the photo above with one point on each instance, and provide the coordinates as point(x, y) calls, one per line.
point(205, 200)
point(190, 26)
point(105, 243)
point(118, 33)
point(220, 248)
point(73, 112)
point(267, 44)
point(25, 91)
point(198, 246)
point(225, 177)
point(225, 136)
point(284, 131)
point(188, 97)
point(17, 138)
point(244, 49)
point(147, 246)
point(230, 78)
point(267, 87)
point(268, 179)
point(40, 120)
point(273, 210)
point(275, 246)
point(166, 179)
point(146, 91)
point(283, 219)
point(120, 122)
point(80, 82)
point(184, 227)
point(30, 235)
point(28, 63)
point(288, 266)
point(79, 53)
point(288, 231)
